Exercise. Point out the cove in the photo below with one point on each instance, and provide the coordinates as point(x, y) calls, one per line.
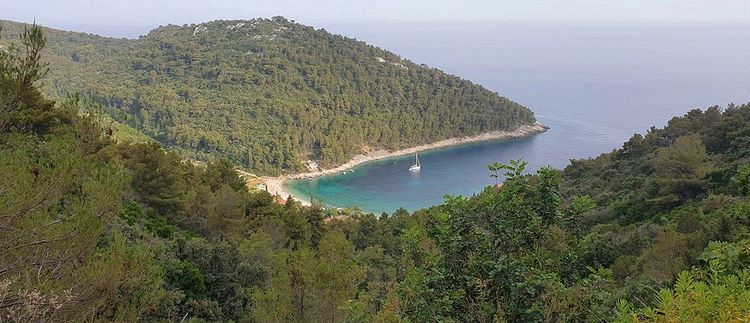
point(594, 88)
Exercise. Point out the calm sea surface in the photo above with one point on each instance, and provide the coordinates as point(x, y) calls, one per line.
point(594, 87)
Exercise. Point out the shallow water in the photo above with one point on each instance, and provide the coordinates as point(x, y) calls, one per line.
point(594, 87)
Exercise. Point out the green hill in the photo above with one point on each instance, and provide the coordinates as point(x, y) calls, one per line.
point(269, 94)
point(94, 229)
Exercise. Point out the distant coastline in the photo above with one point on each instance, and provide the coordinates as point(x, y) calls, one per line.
point(275, 185)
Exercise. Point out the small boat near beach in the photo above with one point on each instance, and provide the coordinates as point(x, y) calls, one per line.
point(417, 166)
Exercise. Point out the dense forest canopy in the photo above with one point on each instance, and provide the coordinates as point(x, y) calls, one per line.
point(269, 94)
point(92, 229)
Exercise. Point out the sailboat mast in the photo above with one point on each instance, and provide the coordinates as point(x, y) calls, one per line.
point(416, 165)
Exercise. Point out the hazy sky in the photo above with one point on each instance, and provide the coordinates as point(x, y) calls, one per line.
point(90, 15)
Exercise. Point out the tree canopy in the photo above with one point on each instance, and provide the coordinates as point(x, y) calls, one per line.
point(94, 229)
point(269, 94)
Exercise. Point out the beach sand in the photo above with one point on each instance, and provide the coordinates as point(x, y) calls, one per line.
point(275, 185)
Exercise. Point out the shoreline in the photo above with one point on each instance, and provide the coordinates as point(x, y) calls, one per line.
point(275, 184)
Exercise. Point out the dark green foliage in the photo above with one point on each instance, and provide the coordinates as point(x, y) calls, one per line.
point(57, 198)
point(227, 278)
point(481, 273)
point(220, 173)
point(269, 94)
point(184, 276)
point(666, 167)
point(668, 212)
point(742, 180)
point(548, 196)
point(131, 213)
point(22, 106)
point(619, 227)
point(158, 225)
point(157, 179)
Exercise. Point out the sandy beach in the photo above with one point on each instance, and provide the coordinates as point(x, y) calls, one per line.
point(275, 185)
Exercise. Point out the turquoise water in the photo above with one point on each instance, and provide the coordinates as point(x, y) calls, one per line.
point(594, 88)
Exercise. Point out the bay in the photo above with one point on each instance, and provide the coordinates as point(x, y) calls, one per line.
point(593, 86)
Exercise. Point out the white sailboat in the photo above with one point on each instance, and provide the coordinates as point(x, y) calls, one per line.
point(416, 167)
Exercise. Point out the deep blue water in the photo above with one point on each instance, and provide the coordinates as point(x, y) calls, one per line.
point(594, 87)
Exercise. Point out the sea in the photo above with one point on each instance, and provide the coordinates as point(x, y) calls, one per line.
point(594, 86)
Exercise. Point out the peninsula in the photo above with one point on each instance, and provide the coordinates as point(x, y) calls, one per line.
point(267, 94)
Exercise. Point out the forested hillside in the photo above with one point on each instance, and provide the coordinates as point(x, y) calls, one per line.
point(92, 229)
point(269, 94)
